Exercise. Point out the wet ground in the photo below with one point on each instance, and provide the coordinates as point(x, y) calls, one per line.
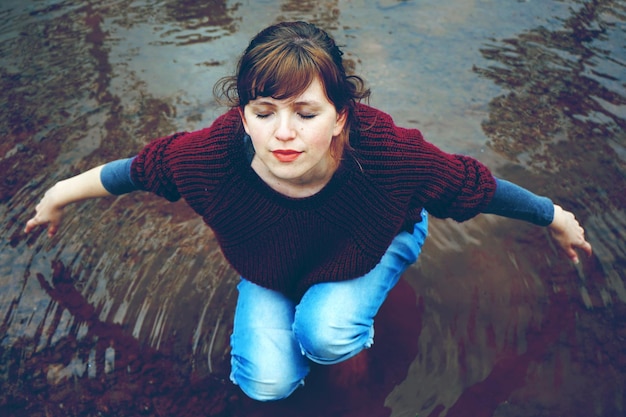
point(128, 310)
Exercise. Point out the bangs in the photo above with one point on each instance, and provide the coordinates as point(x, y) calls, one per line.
point(285, 72)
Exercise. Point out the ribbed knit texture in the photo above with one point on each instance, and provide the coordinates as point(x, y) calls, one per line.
point(341, 232)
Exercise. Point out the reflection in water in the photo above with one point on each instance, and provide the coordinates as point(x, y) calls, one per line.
point(128, 311)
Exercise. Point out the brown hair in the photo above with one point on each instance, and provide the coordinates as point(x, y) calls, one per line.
point(282, 60)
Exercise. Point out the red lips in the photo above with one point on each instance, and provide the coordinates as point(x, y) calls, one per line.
point(286, 155)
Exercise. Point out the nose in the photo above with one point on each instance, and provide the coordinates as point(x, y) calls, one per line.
point(285, 129)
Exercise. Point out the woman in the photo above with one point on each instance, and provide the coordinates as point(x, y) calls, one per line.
point(318, 201)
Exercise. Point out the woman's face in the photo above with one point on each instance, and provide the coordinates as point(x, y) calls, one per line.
point(292, 138)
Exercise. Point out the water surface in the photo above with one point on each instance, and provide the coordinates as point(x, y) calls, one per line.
point(128, 310)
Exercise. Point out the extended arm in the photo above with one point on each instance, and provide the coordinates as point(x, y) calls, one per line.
point(102, 181)
point(516, 202)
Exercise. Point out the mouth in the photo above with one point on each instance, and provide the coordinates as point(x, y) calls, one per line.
point(287, 155)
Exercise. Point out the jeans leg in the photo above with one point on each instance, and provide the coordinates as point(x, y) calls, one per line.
point(266, 359)
point(334, 321)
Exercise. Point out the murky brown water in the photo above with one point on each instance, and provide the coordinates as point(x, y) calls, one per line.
point(128, 310)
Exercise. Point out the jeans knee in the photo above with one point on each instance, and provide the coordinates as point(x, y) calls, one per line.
point(270, 387)
point(267, 390)
point(328, 344)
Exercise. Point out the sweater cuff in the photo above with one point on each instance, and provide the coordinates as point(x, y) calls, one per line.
point(515, 202)
point(115, 177)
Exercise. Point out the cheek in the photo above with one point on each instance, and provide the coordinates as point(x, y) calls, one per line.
point(254, 129)
point(322, 143)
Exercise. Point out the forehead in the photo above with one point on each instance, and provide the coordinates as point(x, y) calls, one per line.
point(313, 94)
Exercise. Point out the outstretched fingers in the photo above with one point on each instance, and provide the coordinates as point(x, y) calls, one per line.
point(569, 234)
point(36, 222)
point(45, 215)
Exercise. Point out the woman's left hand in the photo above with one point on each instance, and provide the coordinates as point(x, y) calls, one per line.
point(568, 233)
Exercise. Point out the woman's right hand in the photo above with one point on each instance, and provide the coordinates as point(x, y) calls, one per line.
point(48, 212)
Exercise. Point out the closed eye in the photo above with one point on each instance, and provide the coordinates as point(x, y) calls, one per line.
point(307, 116)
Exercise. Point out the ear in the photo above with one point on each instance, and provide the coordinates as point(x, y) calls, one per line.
point(242, 114)
point(341, 122)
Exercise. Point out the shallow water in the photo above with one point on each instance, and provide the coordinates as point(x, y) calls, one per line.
point(128, 310)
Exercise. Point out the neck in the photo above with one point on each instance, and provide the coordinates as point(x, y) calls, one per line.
point(300, 187)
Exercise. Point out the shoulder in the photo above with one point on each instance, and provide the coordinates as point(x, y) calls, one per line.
point(370, 116)
point(196, 150)
point(225, 127)
point(209, 141)
point(377, 128)
point(379, 143)
point(228, 124)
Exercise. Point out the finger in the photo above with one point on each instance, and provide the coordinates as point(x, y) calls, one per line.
point(571, 253)
point(30, 225)
point(52, 230)
point(586, 247)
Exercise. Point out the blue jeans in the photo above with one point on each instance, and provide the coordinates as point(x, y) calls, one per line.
point(274, 338)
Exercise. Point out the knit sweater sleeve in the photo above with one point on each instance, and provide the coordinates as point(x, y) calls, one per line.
point(455, 186)
point(151, 169)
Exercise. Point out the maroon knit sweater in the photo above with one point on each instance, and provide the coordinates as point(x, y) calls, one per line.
point(339, 233)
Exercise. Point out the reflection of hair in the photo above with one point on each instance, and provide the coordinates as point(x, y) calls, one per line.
point(282, 61)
